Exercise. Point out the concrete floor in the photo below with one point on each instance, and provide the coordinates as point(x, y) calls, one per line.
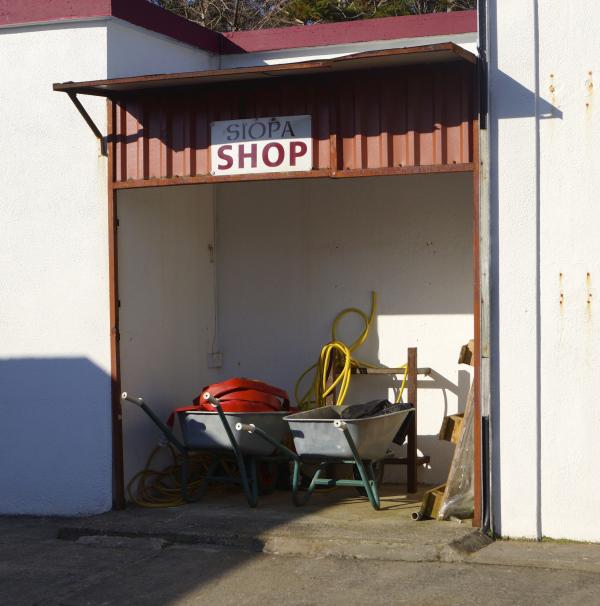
point(334, 551)
point(333, 523)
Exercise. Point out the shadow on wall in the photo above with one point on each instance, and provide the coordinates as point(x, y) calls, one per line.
point(55, 437)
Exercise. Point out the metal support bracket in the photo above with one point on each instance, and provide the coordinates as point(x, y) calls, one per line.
point(90, 123)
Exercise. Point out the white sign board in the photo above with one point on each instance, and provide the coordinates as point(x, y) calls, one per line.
point(261, 145)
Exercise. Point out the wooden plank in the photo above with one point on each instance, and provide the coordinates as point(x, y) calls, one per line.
point(466, 353)
point(478, 447)
point(451, 428)
point(411, 381)
point(313, 174)
point(432, 501)
point(363, 370)
point(113, 294)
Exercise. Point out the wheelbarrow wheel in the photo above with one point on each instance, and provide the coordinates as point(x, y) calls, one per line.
point(378, 471)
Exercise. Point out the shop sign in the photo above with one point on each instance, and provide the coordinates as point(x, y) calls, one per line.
point(261, 145)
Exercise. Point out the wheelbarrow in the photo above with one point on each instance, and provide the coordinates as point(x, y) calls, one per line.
point(213, 432)
point(323, 437)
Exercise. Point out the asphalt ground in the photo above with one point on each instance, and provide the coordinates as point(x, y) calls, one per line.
point(38, 568)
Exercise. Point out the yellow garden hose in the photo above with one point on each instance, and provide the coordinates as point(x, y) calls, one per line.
point(162, 488)
point(319, 390)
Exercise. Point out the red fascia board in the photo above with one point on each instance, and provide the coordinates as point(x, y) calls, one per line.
point(387, 28)
point(137, 12)
point(23, 12)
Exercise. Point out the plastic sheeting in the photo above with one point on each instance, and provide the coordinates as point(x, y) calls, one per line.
point(458, 501)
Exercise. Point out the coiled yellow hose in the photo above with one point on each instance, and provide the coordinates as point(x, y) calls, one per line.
point(338, 352)
point(153, 488)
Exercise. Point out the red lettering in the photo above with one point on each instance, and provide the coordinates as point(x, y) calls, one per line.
point(228, 160)
point(280, 154)
point(297, 150)
point(251, 155)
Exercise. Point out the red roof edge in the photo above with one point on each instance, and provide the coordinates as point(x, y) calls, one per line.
point(34, 11)
point(137, 12)
point(149, 16)
point(328, 34)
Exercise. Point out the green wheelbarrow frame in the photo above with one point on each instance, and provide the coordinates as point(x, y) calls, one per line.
point(366, 482)
point(247, 464)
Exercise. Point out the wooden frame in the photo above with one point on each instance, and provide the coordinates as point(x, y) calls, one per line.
point(115, 359)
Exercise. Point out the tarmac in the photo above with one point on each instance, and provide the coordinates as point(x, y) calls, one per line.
point(335, 550)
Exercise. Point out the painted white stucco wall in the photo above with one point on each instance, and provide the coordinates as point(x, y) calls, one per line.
point(55, 438)
point(55, 443)
point(546, 261)
point(134, 51)
point(290, 256)
point(166, 290)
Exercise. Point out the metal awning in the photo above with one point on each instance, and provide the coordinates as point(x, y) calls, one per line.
point(432, 53)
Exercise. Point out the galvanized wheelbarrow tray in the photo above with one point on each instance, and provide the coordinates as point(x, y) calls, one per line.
point(323, 436)
point(214, 432)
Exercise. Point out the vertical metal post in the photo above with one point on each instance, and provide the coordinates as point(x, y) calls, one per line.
point(411, 382)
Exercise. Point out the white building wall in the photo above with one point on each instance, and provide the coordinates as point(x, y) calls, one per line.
point(55, 438)
point(134, 51)
point(545, 179)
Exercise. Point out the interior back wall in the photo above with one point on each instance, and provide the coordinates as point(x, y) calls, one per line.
point(292, 254)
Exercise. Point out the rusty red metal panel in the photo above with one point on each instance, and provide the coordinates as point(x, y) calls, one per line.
point(390, 118)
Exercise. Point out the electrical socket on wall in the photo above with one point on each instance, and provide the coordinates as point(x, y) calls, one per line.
point(215, 359)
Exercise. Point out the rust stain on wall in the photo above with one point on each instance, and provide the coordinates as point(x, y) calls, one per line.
point(588, 288)
point(589, 88)
point(561, 298)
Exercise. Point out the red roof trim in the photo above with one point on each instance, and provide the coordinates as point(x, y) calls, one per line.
point(144, 14)
point(34, 11)
point(388, 28)
point(138, 12)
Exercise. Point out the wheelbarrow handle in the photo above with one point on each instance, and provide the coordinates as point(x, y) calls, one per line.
point(136, 401)
point(249, 427)
point(214, 401)
point(166, 431)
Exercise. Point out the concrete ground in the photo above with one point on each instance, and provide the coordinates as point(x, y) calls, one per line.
point(332, 523)
point(335, 551)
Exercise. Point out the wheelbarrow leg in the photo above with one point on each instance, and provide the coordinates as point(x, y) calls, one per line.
point(298, 499)
point(368, 479)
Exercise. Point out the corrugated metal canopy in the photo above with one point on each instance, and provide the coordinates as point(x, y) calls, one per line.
point(433, 53)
